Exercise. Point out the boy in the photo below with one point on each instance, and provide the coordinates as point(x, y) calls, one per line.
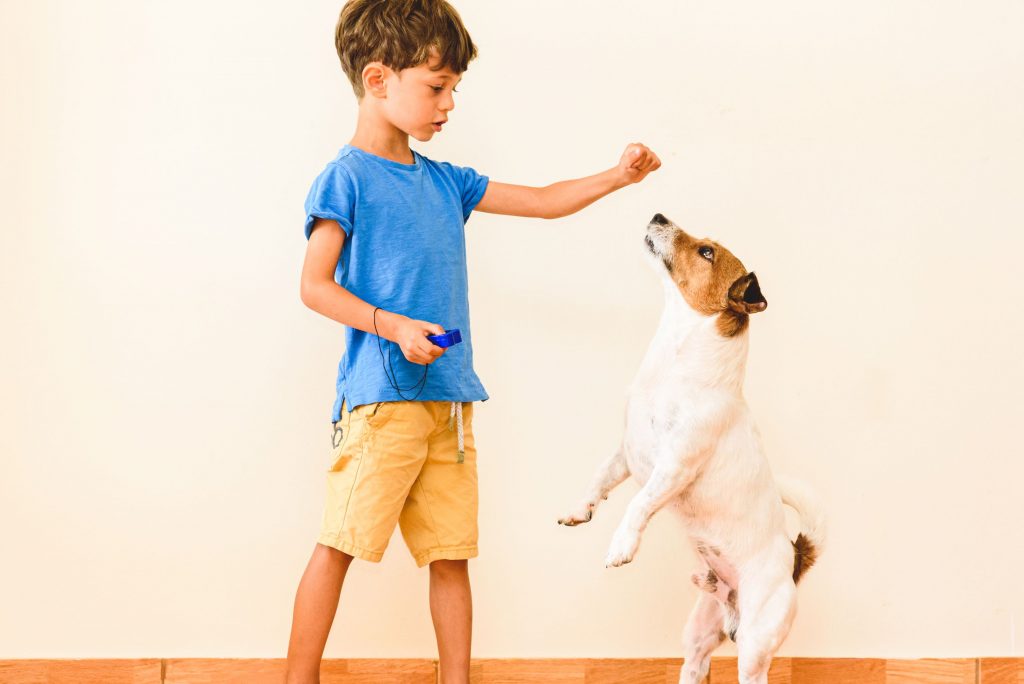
point(386, 257)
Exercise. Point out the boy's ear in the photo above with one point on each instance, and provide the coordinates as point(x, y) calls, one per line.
point(373, 79)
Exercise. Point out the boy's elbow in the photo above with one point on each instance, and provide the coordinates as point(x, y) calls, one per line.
point(546, 204)
point(544, 210)
point(307, 294)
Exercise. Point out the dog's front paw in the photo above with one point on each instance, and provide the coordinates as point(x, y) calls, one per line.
point(583, 513)
point(622, 549)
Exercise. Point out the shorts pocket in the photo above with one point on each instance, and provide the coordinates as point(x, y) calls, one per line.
point(341, 438)
point(376, 415)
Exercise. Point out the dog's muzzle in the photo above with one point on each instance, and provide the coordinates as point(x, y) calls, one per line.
point(660, 235)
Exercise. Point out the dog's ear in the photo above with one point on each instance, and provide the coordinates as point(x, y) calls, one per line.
point(745, 295)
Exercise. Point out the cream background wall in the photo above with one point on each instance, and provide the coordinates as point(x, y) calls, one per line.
point(164, 412)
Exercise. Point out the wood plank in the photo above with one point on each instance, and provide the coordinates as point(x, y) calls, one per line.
point(828, 670)
point(725, 671)
point(632, 670)
point(930, 671)
point(546, 671)
point(838, 671)
point(511, 671)
point(500, 671)
point(272, 671)
point(382, 671)
point(577, 671)
point(92, 671)
point(367, 671)
point(1001, 671)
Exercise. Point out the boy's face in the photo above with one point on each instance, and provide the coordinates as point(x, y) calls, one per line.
point(419, 98)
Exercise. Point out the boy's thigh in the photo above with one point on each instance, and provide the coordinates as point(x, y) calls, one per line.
point(439, 519)
point(377, 453)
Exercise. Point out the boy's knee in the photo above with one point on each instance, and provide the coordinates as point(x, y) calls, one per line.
point(332, 553)
point(449, 567)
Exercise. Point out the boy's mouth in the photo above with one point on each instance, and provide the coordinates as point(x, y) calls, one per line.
point(437, 125)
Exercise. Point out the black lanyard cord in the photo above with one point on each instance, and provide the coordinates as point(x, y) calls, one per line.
point(394, 384)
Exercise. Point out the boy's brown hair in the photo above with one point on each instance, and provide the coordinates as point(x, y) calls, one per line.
point(400, 34)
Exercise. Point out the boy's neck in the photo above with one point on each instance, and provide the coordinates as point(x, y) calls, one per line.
point(376, 135)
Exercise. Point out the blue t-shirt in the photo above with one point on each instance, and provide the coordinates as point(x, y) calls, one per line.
point(405, 251)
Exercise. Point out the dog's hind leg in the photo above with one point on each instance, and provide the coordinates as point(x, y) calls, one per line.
point(764, 623)
point(611, 474)
point(703, 634)
point(668, 480)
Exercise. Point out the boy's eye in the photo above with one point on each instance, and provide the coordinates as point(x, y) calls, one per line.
point(438, 89)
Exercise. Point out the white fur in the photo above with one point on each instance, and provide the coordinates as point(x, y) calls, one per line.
point(691, 443)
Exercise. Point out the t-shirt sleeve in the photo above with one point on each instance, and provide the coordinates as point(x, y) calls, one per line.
point(472, 184)
point(332, 196)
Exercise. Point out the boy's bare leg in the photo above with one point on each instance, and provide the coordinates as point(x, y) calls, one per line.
point(316, 602)
point(451, 607)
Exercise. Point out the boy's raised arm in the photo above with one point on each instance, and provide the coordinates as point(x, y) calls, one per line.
point(568, 197)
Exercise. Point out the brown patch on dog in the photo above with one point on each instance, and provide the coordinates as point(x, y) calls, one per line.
point(713, 281)
point(804, 556)
point(745, 298)
point(730, 323)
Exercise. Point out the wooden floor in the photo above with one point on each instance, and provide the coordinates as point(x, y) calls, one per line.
point(562, 671)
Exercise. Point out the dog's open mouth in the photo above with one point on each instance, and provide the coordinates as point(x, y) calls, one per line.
point(650, 244)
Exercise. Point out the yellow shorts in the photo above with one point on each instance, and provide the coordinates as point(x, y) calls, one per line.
point(398, 462)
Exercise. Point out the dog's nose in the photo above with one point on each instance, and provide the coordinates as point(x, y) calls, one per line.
point(660, 220)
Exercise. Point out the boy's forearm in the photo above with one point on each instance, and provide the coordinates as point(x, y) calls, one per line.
point(567, 197)
point(338, 304)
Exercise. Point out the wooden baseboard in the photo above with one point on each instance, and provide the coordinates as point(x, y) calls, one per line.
point(503, 671)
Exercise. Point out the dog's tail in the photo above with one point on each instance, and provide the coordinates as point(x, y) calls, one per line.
point(811, 540)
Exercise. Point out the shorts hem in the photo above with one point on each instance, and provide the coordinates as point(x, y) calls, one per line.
point(446, 553)
point(350, 549)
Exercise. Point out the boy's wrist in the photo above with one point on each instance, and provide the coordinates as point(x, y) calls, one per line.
point(386, 322)
point(616, 178)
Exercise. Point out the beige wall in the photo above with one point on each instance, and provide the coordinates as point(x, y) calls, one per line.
point(164, 416)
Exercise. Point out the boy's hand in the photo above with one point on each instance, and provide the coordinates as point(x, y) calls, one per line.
point(411, 336)
point(637, 161)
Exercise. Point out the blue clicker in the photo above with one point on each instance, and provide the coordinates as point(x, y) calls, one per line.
point(450, 337)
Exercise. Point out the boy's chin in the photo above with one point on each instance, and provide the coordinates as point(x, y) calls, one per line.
point(423, 137)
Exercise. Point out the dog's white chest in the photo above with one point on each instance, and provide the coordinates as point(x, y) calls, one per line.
point(640, 439)
point(657, 416)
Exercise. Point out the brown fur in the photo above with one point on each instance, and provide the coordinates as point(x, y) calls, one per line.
point(719, 286)
point(731, 323)
point(804, 556)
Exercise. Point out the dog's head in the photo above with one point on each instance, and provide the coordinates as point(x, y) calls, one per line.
point(707, 275)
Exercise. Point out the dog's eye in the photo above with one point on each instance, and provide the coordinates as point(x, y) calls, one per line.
point(707, 253)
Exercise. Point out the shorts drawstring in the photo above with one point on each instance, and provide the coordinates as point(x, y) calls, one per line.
point(456, 413)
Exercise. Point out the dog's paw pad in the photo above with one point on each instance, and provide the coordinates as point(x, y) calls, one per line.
point(578, 517)
point(616, 561)
point(623, 548)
